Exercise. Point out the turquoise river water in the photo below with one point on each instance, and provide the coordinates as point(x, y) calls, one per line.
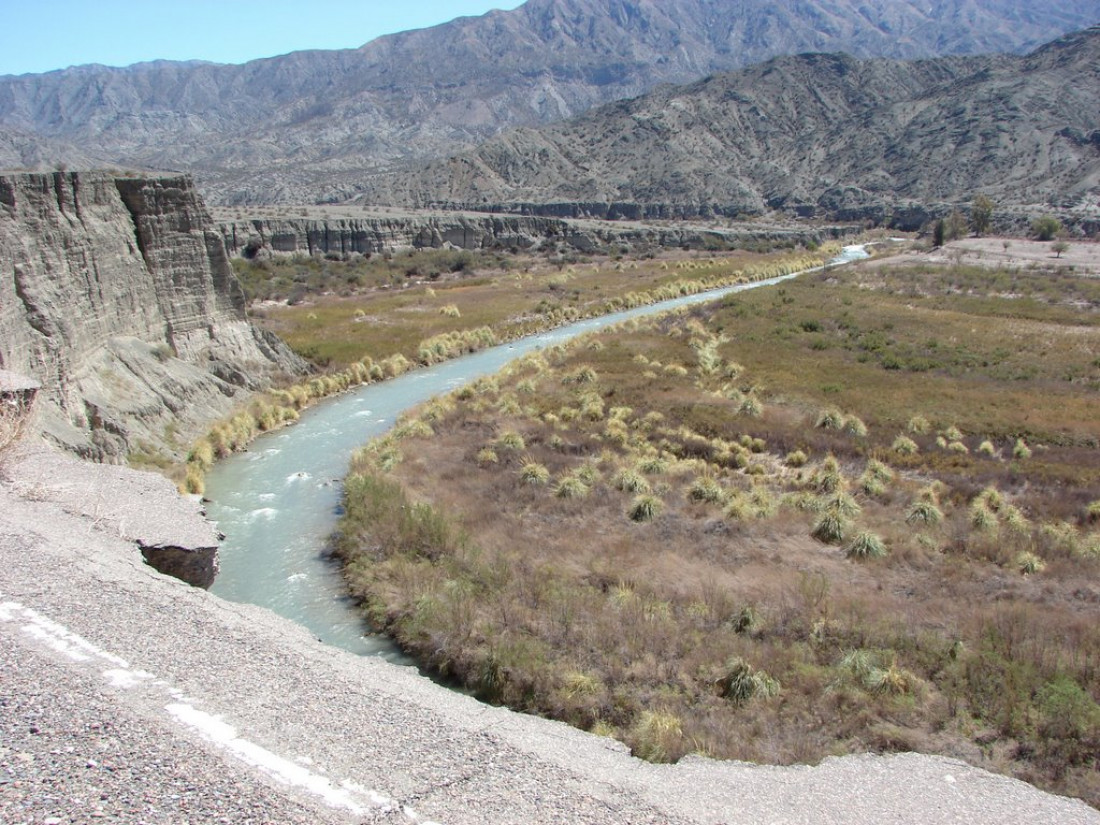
point(278, 503)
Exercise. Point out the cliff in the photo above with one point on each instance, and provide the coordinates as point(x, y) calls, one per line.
point(329, 232)
point(117, 295)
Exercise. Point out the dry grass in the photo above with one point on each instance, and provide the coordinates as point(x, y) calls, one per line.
point(719, 625)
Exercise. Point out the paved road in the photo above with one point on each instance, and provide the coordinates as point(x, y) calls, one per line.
point(126, 696)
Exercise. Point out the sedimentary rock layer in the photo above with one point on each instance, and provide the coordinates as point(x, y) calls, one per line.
point(117, 295)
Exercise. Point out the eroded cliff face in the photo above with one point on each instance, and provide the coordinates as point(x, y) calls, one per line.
point(117, 294)
point(343, 235)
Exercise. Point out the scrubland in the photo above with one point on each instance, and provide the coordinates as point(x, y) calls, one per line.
point(860, 510)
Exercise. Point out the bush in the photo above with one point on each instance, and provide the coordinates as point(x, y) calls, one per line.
point(1046, 227)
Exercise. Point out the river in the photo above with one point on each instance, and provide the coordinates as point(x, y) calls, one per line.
point(278, 502)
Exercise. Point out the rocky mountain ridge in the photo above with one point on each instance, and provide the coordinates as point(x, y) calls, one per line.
point(308, 126)
point(118, 297)
point(814, 134)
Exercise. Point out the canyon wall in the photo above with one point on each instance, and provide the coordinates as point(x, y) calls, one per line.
point(116, 294)
point(372, 233)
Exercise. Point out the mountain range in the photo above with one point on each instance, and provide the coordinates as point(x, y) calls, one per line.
point(314, 125)
point(822, 134)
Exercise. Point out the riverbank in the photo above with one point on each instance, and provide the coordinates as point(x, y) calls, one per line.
point(791, 523)
point(133, 698)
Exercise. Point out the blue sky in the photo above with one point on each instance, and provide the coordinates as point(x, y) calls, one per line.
point(42, 35)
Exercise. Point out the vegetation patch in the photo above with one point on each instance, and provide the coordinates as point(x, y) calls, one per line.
point(743, 582)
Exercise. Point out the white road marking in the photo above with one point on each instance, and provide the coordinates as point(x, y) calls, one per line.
point(345, 795)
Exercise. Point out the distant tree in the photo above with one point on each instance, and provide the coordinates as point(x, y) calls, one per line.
point(955, 226)
point(1046, 227)
point(1058, 247)
point(981, 214)
point(938, 233)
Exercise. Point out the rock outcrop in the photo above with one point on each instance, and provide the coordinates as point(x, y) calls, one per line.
point(116, 294)
point(371, 233)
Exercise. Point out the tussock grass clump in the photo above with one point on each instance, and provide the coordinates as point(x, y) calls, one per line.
point(830, 419)
point(751, 407)
point(1029, 563)
point(571, 487)
point(829, 478)
point(533, 473)
point(741, 683)
point(796, 459)
point(830, 528)
point(1020, 450)
point(630, 481)
point(645, 507)
point(918, 425)
point(924, 512)
point(487, 456)
point(706, 490)
point(657, 736)
point(511, 440)
point(854, 426)
point(903, 445)
point(653, 466)
point(866, 545)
